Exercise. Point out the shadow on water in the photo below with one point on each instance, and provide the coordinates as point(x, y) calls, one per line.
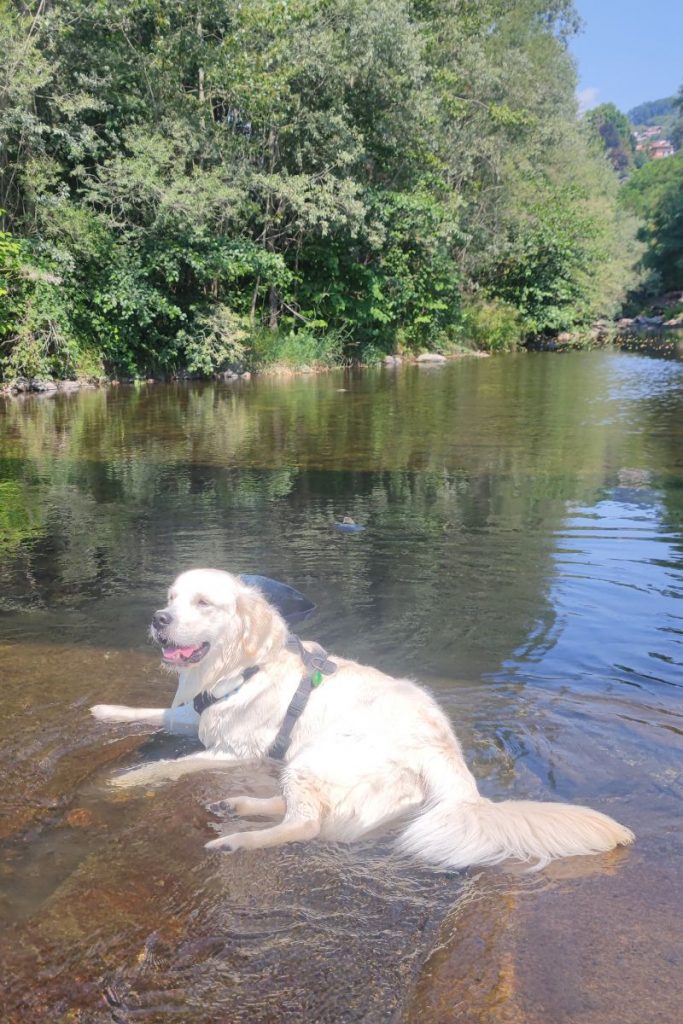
point(522, 555)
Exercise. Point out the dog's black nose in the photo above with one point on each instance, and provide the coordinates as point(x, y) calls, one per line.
point(161, 619)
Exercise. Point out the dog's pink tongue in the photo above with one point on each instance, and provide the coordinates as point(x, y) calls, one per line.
point(176, 653)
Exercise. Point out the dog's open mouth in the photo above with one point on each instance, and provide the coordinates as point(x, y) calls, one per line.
point(189, 655)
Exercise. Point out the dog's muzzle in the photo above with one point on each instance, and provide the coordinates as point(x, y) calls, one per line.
point(189, 655)
point(177, 654)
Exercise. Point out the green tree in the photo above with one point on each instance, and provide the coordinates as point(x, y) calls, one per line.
point(676, 132)
point(655, 194)
point(614, 129)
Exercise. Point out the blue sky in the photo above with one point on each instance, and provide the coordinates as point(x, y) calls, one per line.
point(629, 51)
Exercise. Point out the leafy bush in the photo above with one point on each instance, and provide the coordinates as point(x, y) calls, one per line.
point(216, 339)
point(11, 284)
point(36, 320)
point(492, 324)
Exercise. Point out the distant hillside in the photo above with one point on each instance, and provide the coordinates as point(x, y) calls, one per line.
point(652, 112)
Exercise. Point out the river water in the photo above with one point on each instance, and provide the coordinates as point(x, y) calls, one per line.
point(523, 556)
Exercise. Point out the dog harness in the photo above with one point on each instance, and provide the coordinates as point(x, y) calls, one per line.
point(316, 665)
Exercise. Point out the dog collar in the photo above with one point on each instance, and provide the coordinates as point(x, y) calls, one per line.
point(205, 699)
point(316, 665)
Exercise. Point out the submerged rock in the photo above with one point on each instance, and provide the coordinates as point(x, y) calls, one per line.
point(431, 357)
point(649, 321)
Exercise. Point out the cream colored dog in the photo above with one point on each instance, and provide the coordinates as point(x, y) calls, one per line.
point(367, 750)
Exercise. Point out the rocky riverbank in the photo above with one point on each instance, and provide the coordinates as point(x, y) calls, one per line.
point(37, 386)
point(661, 315)
point(627, 325)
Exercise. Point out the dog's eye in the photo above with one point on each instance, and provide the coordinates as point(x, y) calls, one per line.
point(201, 602)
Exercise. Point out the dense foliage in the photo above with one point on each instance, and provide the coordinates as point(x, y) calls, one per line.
point(676, 130)
point(615, 131)
point(196, 183)
point(655, 194)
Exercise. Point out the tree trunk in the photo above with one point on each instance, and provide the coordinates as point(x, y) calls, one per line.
point(274, 308)
point(200, 72)
point(254, 298)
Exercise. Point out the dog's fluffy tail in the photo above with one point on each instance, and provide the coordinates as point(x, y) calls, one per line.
point(456, 834)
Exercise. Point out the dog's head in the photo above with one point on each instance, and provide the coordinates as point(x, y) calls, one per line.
point(214, 621)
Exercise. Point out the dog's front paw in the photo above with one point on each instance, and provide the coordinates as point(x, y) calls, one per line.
point(224, 808)
point(226, 844)
point(111, 713)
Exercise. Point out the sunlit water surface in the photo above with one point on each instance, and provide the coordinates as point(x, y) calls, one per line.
point(522, 555)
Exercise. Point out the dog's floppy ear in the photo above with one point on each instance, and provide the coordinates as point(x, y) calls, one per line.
point(258, 622)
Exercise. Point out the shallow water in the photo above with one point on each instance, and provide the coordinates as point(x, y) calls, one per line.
point(523, 555)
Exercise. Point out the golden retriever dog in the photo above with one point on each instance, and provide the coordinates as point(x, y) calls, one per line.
point(366, 750)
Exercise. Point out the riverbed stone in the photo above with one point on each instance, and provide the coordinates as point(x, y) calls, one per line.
point(600, 330)
point(79, 817)
point(470, 977)
point(431, 357)
point(648, 321)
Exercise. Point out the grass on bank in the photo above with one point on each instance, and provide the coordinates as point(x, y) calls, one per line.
point(268, 350)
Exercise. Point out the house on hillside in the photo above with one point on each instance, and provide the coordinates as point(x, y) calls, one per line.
point(660, 149)
point(648, 133)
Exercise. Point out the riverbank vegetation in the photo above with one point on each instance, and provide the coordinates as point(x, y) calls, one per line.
point(655, 194)
point(652, 190)
point(193, 185)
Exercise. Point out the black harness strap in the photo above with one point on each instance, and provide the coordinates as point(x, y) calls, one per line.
point(316, 664)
